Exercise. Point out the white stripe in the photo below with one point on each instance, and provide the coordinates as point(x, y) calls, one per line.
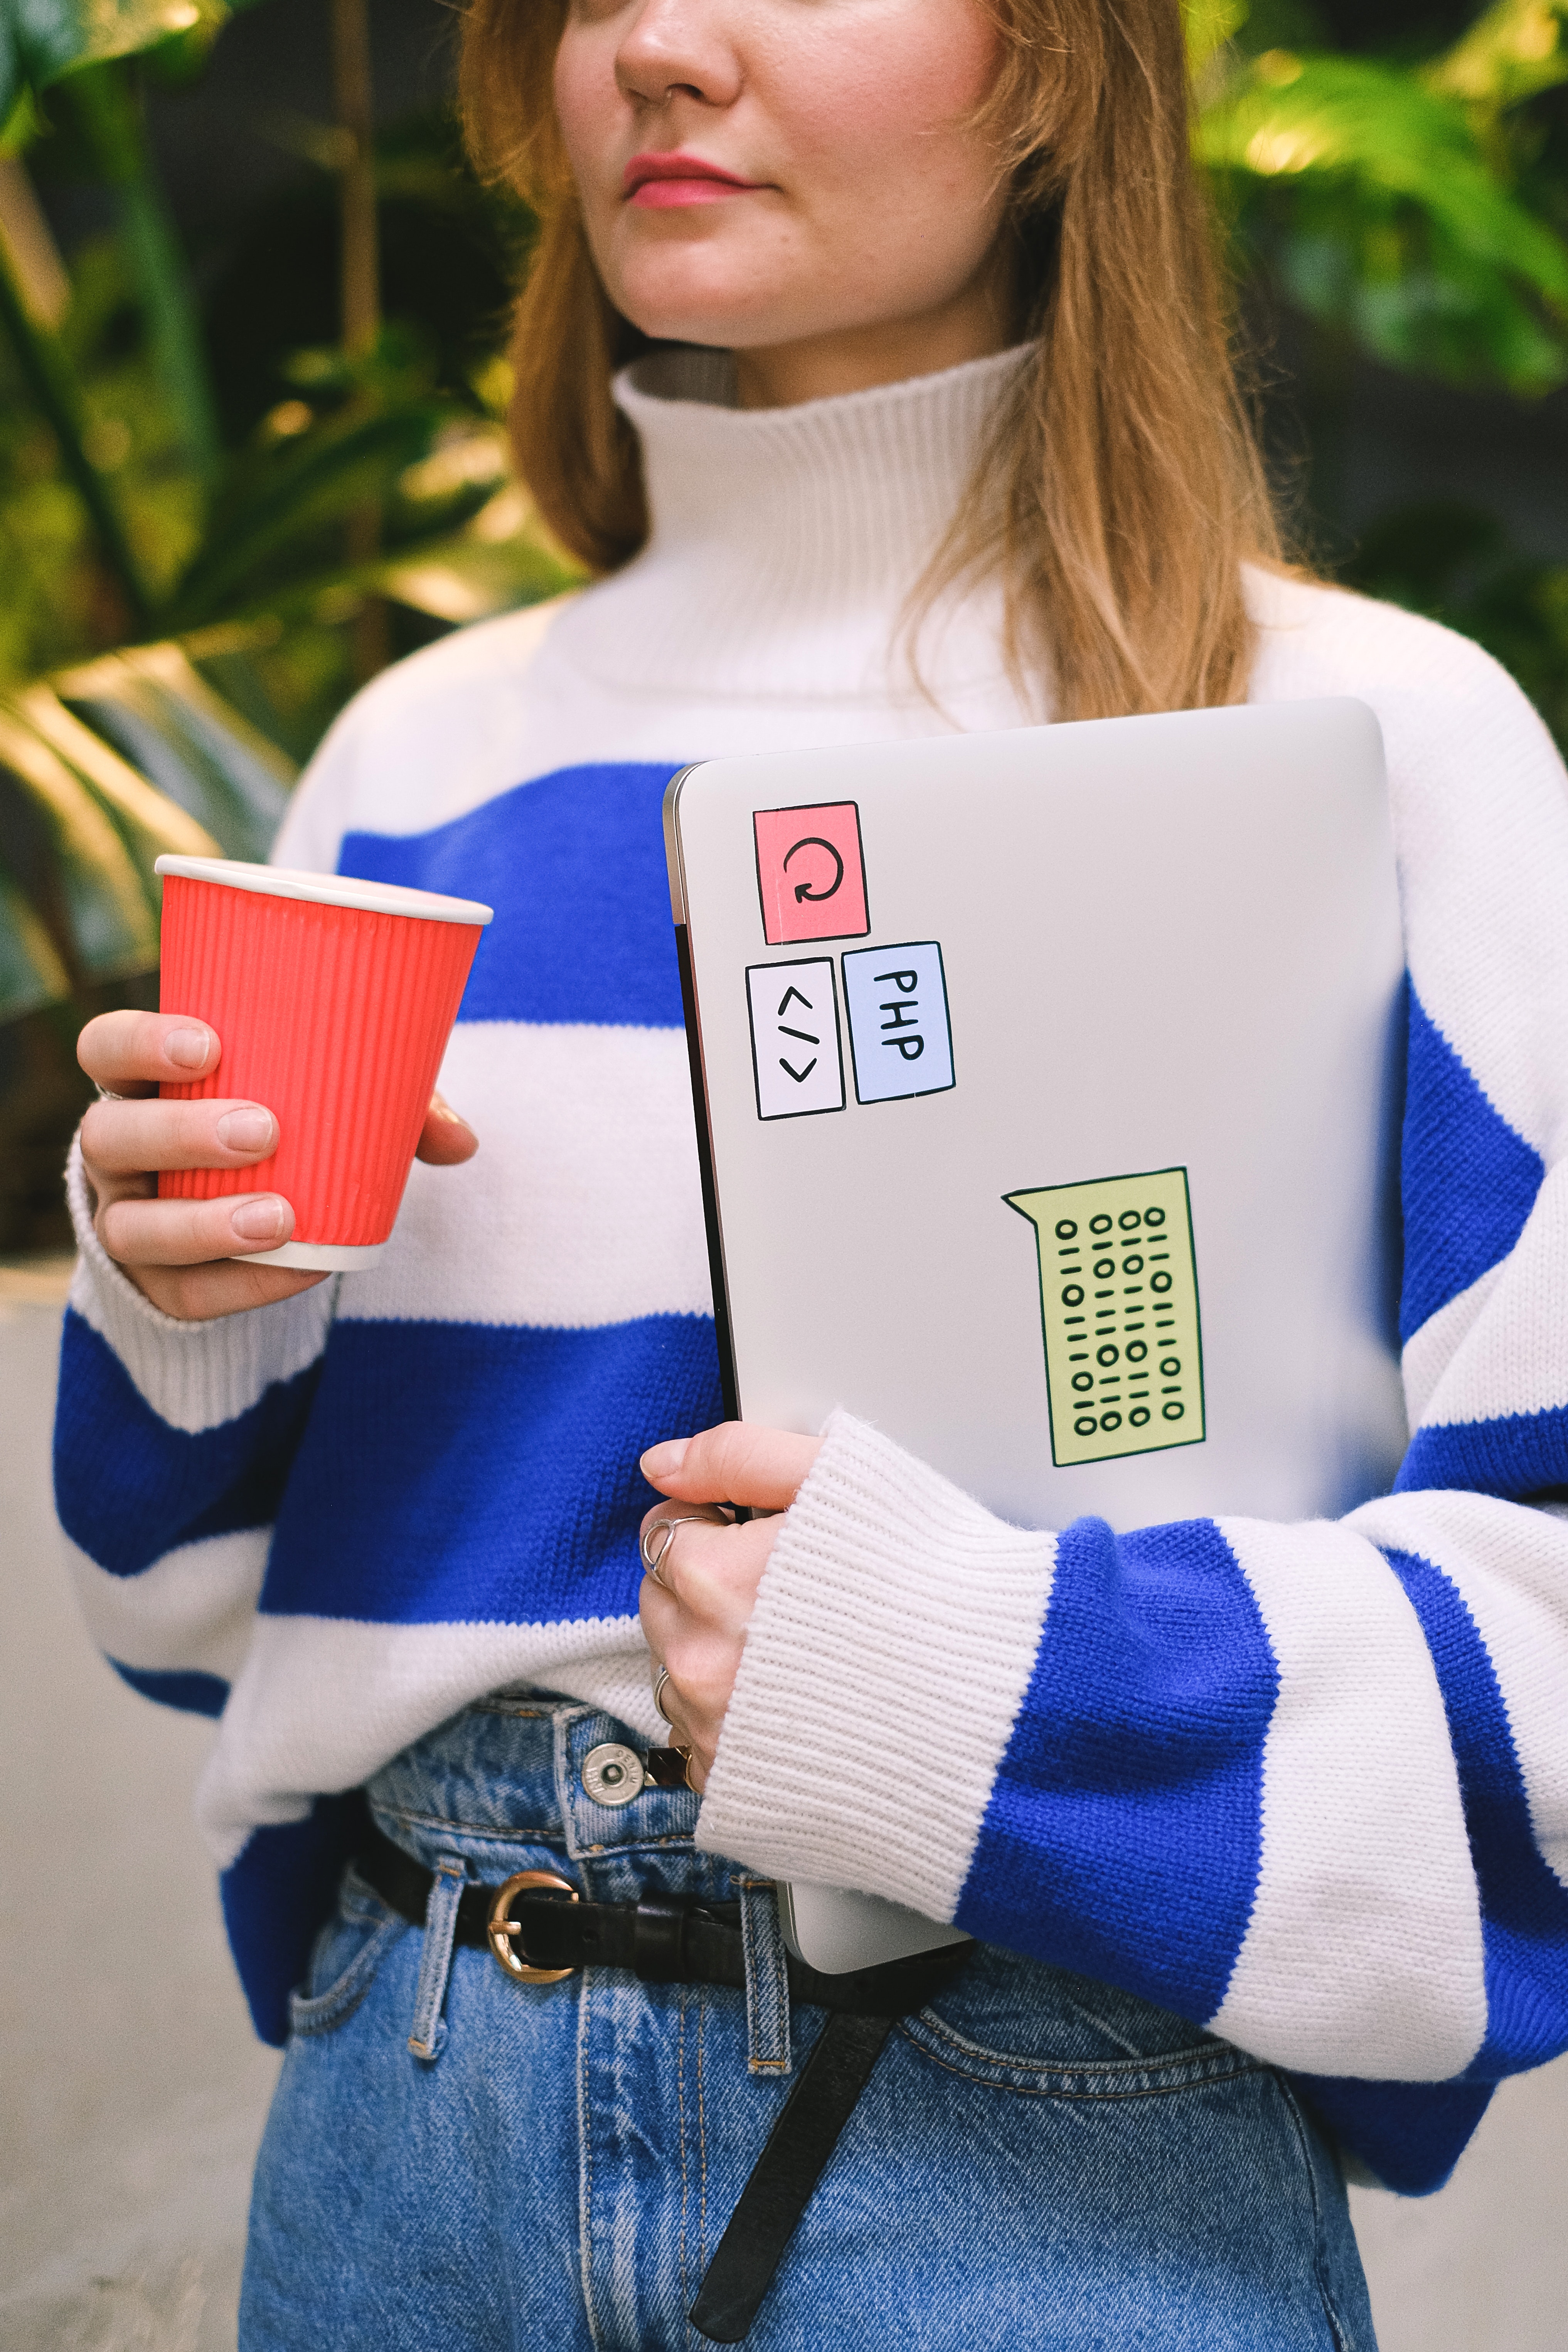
point(434, 736)
point(323, 1701)
point(885, 1663)
point(1513, 1358)
point(1510, 1565)
point(1363, 1952)
point(476, 715)
point(583, 1205)
point(1480, 823)
point(195, 1376)
point(1428, 1353)
point(191, 1611)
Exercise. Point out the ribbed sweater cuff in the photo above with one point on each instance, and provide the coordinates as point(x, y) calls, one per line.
point(194, 1375)
point(885, 1663)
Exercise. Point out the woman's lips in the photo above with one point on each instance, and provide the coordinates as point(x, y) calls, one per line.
point(658, 183)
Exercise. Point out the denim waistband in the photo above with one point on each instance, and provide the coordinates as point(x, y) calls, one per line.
point(500, 1789)
point(502, 1786)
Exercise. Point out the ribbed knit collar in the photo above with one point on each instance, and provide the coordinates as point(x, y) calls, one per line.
point(785, 542)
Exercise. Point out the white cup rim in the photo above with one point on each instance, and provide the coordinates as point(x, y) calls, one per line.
point(326, 889)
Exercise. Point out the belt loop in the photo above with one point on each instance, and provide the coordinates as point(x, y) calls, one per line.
point(429, 2035)
point(767, 1979)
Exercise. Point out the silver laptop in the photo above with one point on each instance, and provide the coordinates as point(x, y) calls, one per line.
point(1047, 1087)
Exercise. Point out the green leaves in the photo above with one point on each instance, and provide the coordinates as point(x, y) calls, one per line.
point(80, 824)
point(62, 849)
point(1511, 53)
point(1381, 203)
point(41, 40)
point(175, 734)
point(1209, 24)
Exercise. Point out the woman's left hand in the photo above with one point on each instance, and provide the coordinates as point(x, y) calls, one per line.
point(696, 1611)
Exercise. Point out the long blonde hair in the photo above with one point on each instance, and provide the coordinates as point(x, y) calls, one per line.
point(1124, 489)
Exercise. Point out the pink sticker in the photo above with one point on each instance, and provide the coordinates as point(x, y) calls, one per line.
point(811, 874)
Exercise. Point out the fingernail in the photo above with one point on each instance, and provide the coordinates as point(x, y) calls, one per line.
point(663, 1461)
point(251, 1129)
point(258, 1220)
point(188, 1047)
point(441, 1109)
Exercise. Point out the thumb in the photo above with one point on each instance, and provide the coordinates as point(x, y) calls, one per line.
point(448, 1140)
point(738, 1462)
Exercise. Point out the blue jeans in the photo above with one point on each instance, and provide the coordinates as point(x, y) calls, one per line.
point(1037, 2161)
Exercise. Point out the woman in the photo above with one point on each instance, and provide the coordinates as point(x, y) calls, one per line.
point(924, 421)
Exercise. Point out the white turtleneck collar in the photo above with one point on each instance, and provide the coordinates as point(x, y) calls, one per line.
point(785, 542)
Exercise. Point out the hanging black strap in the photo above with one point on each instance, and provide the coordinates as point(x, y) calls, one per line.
point(676, 1939)
point(785, 2174)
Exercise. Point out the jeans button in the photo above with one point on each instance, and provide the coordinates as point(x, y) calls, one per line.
point(612, 1775)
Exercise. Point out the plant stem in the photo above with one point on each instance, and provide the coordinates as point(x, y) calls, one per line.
point(360, 284)
point(107, 109)
point(35, 258)
point(354, 105)
point(49, 379)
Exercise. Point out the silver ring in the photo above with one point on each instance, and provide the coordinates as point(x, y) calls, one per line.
point(654, 1561)
point(107, 1094)
point(659, 1681)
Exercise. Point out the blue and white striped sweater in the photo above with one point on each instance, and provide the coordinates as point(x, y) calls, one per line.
point(1306, 1785)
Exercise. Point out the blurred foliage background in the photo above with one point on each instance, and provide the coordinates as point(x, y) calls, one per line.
point(252, 311)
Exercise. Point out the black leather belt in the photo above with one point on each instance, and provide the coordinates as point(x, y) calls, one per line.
point(540, 1933)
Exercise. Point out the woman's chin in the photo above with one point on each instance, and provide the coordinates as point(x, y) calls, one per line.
point(701, 307)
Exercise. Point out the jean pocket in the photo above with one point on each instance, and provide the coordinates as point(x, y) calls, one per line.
point(345, 1957)
point(1020, 2026)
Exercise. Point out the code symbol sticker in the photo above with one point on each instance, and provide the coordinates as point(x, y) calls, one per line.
point(1118, 1300)
point(796, 1058)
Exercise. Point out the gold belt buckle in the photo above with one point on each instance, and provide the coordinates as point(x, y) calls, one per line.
point(501, 1929)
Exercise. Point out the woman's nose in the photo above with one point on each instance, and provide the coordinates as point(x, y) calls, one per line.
point(678, 48)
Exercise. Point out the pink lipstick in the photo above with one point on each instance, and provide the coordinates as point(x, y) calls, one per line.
point(658, 183)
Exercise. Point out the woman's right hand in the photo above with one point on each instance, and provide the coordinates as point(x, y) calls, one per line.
point(181, 1254)
point(177, 1252)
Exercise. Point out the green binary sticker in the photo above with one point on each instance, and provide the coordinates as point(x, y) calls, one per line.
point(1118, 1298)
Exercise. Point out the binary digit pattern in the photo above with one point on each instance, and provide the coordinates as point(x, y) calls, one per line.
point(1118, 1298)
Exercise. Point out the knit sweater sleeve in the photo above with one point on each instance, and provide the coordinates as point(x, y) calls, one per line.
point(173, 1440)
point(1306, 1785)
point(172, 1444)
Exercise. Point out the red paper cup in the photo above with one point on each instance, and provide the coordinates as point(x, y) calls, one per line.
point(334, 999)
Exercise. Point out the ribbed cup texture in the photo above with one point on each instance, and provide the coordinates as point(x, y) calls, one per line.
point(337, 1021)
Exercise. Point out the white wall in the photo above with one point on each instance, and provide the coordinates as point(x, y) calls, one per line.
point(135, 2092)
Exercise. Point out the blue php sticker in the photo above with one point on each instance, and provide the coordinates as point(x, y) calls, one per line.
point(900, 1038)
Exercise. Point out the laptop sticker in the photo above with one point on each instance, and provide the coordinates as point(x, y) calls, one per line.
point(811, 874)
point(899, 1036)
point(1118, 1300)
point(795, 1053)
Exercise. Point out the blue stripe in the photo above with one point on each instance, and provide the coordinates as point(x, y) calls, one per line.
point(1468, 1180)
point(1518, 1453)
point(1409, 2135)
point(465, 1472)
point(1123, 1833)
point(1524, 1906)
point(1412, 2133)
point(193, 1692)
point(276, 1896)
point(574, 866)
point(129, 1489)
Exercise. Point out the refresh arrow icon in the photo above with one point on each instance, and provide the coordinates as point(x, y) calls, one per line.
point(803, 890)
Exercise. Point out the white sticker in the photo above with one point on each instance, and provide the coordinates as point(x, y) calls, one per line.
point(794, 1037)
point(899, 1034)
